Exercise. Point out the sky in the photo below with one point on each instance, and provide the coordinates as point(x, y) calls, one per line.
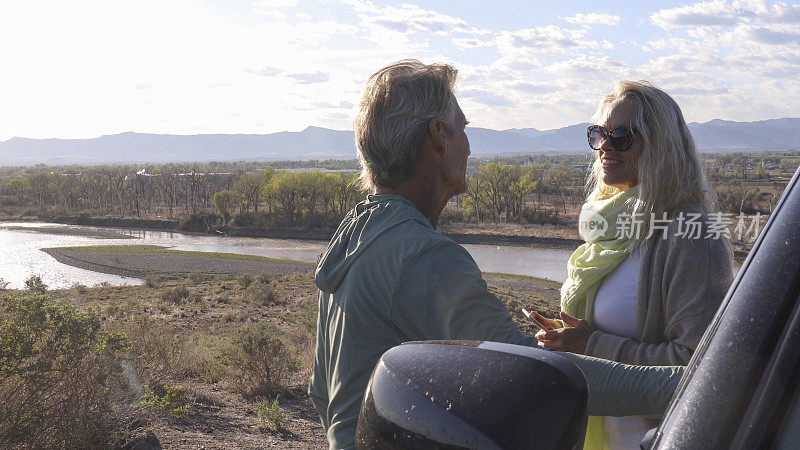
point(83, 68)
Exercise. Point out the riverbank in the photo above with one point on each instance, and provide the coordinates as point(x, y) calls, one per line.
point(140, 261)
point(193, 339)
point(546, 237)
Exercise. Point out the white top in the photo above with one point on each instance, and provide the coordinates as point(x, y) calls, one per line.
point(614, 309)
point(614, 312)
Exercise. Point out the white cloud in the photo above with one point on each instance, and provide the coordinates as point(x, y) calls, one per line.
point(588, 66)
point(310, 78)
point(275, 3)
point(486, 97)
point(413, 19)
point(593, 18)
point(532, 87)
point(546, 39)
point(469, 43)
point(698, 88)
point(772, 34)
point(721, 12)
point(717, 12)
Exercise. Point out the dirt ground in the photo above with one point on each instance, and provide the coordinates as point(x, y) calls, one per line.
point(220, 415)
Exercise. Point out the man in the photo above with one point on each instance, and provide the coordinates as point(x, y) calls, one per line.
point(387, 276)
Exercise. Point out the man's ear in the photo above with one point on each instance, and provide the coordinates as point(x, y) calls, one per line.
point(438, 135)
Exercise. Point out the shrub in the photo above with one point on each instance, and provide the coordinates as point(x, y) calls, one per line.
point(153, 280)
point(264, 360)
point(249, 219)
point(261, 294)
point(60, 379)
point(3, 283)
point(271, 414)
point(307, 316)
point(160, 350)
point(172, 400)
point(157, 350)
point(175, 295)
point(35, 284)
point(198, 277)
point(264, 277)
point(114, 310)
point(245, 280)
point(199, 221)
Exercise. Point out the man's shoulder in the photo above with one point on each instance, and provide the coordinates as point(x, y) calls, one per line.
point(427, 238)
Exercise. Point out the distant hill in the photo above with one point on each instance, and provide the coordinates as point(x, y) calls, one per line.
point(322, 143)
point(723, 135)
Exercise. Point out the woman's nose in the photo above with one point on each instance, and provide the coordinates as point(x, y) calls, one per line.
point(606, 145)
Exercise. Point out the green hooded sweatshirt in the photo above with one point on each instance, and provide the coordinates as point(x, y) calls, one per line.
point(388, 277)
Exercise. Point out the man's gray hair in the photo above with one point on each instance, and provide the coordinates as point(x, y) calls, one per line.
point(392, 123)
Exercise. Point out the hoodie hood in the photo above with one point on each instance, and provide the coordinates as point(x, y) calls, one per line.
point(360, 228)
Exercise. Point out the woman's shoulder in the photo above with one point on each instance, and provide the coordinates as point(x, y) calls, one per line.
point(694, 230)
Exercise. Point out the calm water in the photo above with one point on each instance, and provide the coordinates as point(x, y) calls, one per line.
point(21, 257)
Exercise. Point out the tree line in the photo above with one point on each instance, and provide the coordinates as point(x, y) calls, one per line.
point(285, 197)
point(514, 189)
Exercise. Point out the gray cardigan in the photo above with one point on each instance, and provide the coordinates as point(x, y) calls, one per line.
point(682, 282)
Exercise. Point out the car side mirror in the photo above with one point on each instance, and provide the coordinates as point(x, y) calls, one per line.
point(473, 394)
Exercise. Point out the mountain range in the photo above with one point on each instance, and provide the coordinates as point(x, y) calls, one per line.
point(322, 143)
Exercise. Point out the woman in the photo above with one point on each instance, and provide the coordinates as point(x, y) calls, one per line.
point(646, 283)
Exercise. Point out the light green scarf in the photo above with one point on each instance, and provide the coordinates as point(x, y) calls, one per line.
point(601, 253)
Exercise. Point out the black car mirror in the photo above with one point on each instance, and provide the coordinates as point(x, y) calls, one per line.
point(473, 394)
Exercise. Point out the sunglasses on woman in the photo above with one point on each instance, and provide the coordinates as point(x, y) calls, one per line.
point(621, 137)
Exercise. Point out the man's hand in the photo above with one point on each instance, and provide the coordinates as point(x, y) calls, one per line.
point(572, 338)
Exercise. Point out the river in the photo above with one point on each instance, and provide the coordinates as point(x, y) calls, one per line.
point(21, 255)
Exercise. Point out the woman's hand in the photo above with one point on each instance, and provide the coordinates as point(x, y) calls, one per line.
point(568, 339)
point(551, 324)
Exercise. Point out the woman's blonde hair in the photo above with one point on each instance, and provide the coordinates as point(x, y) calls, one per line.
point(670, 175)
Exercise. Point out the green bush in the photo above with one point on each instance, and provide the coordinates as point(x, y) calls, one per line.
point(271, 414)
point(171, 401)
point(266, 363)
point(60, 384)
